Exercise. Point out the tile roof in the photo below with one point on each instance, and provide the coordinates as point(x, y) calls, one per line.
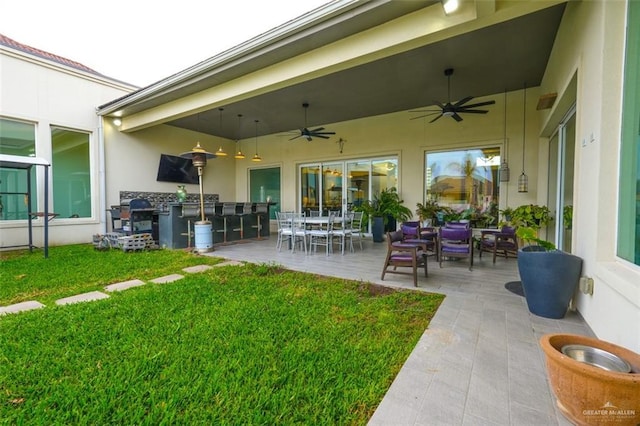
point(9, 42)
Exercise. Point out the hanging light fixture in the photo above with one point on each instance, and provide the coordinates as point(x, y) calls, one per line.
point(220, 152)
point(239, 155)
point(256, 157)
point(523, 180)
point(504, 167)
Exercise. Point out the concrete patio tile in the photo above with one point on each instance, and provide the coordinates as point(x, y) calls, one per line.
point(522, 415)
point(125, 285)
point(488, 399)
point(20, 307)
point(167, 279)
point(84, 297)
point(196, 269)
point(433, 412)
point(393, 411)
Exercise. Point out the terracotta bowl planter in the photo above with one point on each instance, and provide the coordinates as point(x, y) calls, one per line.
point(589, 395)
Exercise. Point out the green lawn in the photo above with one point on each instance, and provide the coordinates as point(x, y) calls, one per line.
point(234, 345)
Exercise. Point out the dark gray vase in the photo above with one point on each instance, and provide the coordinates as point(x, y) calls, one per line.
point(377, 229)
point(549, 279)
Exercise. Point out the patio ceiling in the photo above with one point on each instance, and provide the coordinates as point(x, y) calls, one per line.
point(487, 61)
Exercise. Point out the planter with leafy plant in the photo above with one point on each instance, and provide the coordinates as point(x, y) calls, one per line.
point(384, 210)
point(428, 212)
point(549, 276)
point(531, 215)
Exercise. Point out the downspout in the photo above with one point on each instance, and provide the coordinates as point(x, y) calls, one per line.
point(102, 207)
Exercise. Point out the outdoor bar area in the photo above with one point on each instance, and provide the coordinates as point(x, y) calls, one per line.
point(171, 223)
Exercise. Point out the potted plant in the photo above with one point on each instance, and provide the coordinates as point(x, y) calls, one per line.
point(385, 210)
point(549, 276)
point(531, 215)
point(507, 214)
point(427, 212)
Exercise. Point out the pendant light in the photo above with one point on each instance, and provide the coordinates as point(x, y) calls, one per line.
point(239, 155)
point(504, 167)
point(523, 180)
point(256, 157)
point(220, 152)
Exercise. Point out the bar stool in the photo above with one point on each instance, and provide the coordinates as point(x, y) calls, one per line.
point(261, 210)
point(246, 210)
point(228, 209)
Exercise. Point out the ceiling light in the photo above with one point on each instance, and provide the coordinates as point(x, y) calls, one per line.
point(523, 180)
point(220, 152)
point(117, 121)
point(239, 155)
point(256, 157)
point(504, 171)
point(450, 6)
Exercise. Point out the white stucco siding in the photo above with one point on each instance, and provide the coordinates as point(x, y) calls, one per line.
point(589, 45)
point(46, 94)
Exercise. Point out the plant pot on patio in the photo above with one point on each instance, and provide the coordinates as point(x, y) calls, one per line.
point(586, 392)
point(377, 229)
point(549, 279)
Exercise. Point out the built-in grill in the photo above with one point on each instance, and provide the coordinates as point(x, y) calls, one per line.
point(136, 216)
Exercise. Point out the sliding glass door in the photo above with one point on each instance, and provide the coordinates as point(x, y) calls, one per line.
point(560, 191)
point(343, 185)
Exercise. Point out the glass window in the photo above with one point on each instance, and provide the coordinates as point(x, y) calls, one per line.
point(70, 169)
point(264, 186)
point(465, 181)
point(342, 185)
point(629, 204)
point(16, 138)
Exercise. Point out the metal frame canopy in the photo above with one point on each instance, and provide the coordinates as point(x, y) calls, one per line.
point(26, 163)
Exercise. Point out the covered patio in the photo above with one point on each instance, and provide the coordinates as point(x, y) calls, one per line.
point(479, 361)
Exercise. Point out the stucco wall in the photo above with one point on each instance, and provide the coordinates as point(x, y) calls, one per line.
point(589, 45)
point(47, 95)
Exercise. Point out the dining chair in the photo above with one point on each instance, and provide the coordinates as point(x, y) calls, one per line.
point(299, 231)
point(400, 254)
point(284, 221)
point(356, 228)
point(343, 232)
point(455, 243)
point(501, 242)
point(322, 235)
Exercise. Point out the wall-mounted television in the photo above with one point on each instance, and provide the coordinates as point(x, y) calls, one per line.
point(176, 169)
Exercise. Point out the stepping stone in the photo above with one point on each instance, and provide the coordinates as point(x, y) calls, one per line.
point(124, 285)
point(230, 263)
point(20, 307)
point(196, 269)
point(84, 297)
point(167, 279)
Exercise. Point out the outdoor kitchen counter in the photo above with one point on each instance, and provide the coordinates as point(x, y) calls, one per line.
point(176, 223)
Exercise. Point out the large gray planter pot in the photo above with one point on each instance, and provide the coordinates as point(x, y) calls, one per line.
point(549, 279)
point(377, 229)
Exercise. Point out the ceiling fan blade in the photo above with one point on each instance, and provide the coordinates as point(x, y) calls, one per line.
point(320, 136)
point(426, 115)
point(436, 118)
point(309, 139)
point(473, 111)
point(425, 110)
point(319, 129)
point(476, 105)
point(295, 137)
point(463, 101)
point(456, 117)
point(439, 104)
point(322, 133)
